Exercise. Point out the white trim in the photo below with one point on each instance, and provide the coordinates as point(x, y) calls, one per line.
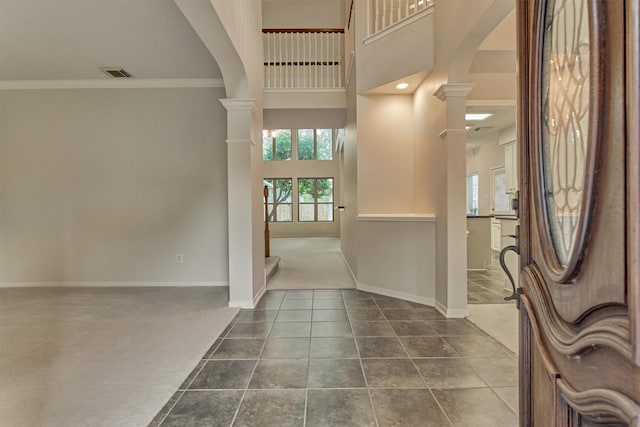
point(348, 79)
point(476, 269)
point(241, 304)
point(239, 104)
point(387, 292)
point(108, 284)
point(397, 294)
point(396, 217)
point(305, 90)
point(353, 276)
point(110, 84)
point(259, 295)
point(448, 132)
point(451, 314)
point(447, 90)
point(239, 141)
point(491, 102)
point(398, 25)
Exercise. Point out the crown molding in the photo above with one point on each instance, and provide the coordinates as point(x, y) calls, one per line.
point(110, 84)
point(239, 104)
point(453, 90)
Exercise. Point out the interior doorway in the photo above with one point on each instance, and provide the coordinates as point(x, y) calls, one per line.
point(491, 143)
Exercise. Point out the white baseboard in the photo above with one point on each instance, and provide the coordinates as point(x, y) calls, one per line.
point(353, 276)
point(108, 284)
point(388, 292)
point(259, 295)
point(476, 269)
point(397, 294)
point(241, 304)
point(451, 314)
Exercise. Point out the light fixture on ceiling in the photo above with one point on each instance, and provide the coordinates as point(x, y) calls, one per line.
point(477, 116)
point(116, 72)
point(402, 86)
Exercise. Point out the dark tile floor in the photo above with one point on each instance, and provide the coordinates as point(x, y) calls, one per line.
point(487, 287)
point(347, 358)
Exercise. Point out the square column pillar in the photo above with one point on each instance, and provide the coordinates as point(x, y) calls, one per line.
point(451, 228)
point(240, 201)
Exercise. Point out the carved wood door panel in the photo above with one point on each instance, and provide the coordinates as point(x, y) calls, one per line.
point(579, 217)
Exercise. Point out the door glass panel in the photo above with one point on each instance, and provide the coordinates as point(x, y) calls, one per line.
point(565, 132)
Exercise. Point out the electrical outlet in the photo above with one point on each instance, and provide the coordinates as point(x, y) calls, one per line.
point(179, 258)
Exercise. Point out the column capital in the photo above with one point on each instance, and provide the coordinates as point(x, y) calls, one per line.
point(239, 104)
point(450, 90)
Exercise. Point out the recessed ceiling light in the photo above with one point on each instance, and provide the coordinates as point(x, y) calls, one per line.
point(478, 116)
point(402, 86)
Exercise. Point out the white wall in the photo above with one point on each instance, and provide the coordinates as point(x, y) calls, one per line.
point(481, 160)
point(107, 185)
point(349, 174)
point(385, 154)
point(386, 59)
point(303, 14)
point(397, 257)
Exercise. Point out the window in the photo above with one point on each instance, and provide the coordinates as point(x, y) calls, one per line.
point(315, 144)
point(279, 199)
point(276, 144)
point(315, 199)
point(472, 194)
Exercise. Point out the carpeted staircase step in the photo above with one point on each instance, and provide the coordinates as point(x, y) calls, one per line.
point(271, 266)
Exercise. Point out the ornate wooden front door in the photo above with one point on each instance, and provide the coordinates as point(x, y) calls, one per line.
point(579, 212)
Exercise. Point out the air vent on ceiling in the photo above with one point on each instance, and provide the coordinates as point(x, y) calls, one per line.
point(116, 72)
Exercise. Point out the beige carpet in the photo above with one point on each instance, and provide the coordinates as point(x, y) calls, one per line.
point(309, 263)
point(101, 356)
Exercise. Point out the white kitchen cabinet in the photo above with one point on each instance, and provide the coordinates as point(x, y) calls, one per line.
point(511, 167)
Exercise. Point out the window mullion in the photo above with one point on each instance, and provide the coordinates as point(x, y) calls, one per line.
point(273, 151)
point(315, 144)
point(315, 199)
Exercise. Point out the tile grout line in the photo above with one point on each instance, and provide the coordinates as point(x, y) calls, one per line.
point(306, 386)
point(420, 374)
point(255, 367)
point(366, 382)
point(170, 409)
point(205, 358)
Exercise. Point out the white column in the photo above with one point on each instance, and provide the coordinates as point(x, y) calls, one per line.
point(240, 195)
point(451, 240)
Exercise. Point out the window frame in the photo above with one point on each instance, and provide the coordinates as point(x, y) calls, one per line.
point(470, 196)
point(315, 144)
point(315, 202)
point(275, 204)
point(273, 138)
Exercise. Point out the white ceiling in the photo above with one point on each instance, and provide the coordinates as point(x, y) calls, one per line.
point(503, 116)
point(70, 39)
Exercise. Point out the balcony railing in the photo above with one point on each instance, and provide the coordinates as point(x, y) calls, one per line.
point(384, 14)
point(303, 58)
